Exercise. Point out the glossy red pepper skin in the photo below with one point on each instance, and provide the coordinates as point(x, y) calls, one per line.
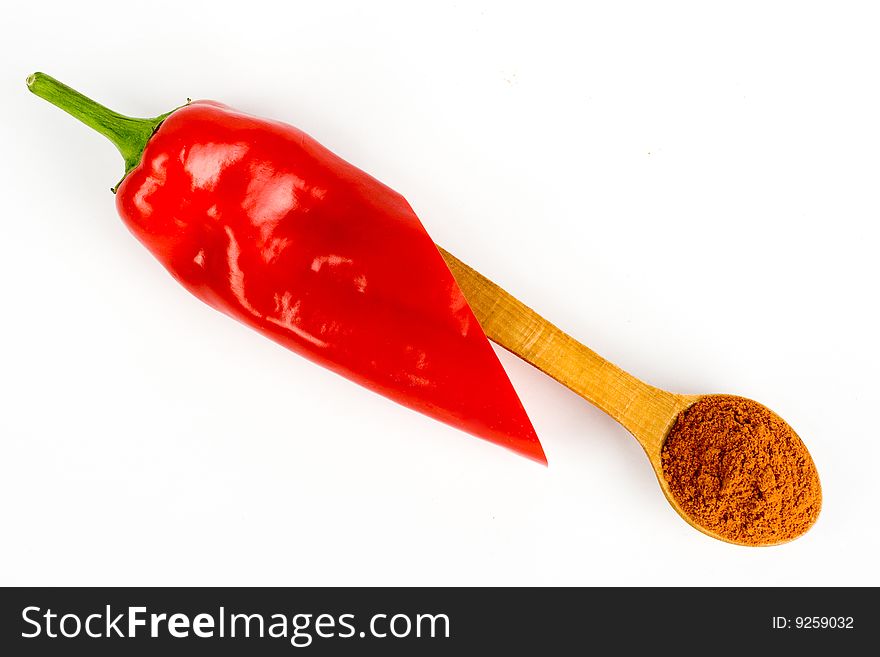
point(261, 222)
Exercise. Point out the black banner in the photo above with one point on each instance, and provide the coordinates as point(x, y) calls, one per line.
point(410, 621)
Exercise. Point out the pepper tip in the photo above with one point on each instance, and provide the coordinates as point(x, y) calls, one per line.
point(541, 458)
point(534, 451)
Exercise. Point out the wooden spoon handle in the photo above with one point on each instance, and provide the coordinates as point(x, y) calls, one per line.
point(647, 412)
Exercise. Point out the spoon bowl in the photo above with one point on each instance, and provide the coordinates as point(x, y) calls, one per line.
point(647, 412)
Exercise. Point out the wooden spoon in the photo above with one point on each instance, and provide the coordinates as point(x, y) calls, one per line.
point(648, 413)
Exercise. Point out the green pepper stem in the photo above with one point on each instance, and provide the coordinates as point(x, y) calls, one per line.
point(129, 135)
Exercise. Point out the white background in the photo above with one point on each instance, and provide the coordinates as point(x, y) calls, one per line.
point(692, 192)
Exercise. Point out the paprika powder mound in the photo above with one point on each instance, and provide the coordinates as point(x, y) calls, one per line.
point(740, 471)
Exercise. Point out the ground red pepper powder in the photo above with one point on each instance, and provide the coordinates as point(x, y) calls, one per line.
point(737, 469)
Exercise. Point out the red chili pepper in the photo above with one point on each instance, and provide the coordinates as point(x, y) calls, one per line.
point(258, 220)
